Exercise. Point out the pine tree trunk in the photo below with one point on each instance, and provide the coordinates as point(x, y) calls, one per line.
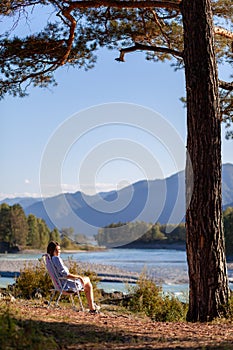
point(208, 289)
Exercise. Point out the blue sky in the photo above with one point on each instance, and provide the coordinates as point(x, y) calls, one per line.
point(29, 124)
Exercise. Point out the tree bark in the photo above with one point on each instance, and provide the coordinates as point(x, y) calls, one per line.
point(208, 288)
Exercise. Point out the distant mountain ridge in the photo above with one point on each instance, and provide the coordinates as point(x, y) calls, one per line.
point(23, 201)
point(160, 201)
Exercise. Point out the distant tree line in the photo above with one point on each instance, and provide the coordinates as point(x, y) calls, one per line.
point(140, 231)
point(120, 233)
point(117, 234)
point(30, 232)
point(26, 231)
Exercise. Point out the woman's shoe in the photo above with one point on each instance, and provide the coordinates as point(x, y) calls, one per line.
point(93, 312)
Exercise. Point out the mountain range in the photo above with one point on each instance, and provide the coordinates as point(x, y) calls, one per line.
point(161, 200)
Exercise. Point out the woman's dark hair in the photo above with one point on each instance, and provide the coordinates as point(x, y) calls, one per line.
point(52, 247)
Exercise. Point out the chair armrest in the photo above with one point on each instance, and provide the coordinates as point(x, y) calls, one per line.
point(69, 279)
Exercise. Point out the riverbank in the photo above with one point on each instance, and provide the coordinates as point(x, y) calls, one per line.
point(154, 245)
point(106, 273)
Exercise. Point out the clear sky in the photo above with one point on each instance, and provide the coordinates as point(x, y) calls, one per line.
point(99, 152)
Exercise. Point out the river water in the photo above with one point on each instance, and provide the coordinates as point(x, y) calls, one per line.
point(167, 267)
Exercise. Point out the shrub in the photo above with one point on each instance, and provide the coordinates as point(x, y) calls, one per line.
point(171, 309)
point(33, 279)
point(230, 308)
point(147, 297)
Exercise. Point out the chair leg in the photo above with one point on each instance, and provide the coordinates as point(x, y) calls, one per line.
point(71, 298)
point(80, 301)
point(58, 299)
point(72, 302)
point(51, 297)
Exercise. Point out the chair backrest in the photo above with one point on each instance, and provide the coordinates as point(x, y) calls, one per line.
point(52, 272)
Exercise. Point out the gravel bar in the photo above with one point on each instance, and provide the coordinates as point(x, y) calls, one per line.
point(11, 268)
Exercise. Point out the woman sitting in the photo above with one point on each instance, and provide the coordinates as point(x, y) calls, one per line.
point(81, 282)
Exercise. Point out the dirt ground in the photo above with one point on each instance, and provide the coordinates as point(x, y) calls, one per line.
point(116, 329)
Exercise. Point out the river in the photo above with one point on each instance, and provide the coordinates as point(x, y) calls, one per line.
point(167, 267)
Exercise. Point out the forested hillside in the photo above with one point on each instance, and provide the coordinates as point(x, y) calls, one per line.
point(17, 229)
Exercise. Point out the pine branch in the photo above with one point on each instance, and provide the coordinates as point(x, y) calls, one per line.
point(143, 47)
point(225, 85)
point(223, 32)
point(72, 26)
point(124, 4)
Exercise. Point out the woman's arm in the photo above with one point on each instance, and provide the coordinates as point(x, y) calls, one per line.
point(71, 275)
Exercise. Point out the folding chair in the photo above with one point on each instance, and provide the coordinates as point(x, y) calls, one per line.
point(58, 285)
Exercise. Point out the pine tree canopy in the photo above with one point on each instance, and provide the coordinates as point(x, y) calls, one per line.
point(71, 32)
